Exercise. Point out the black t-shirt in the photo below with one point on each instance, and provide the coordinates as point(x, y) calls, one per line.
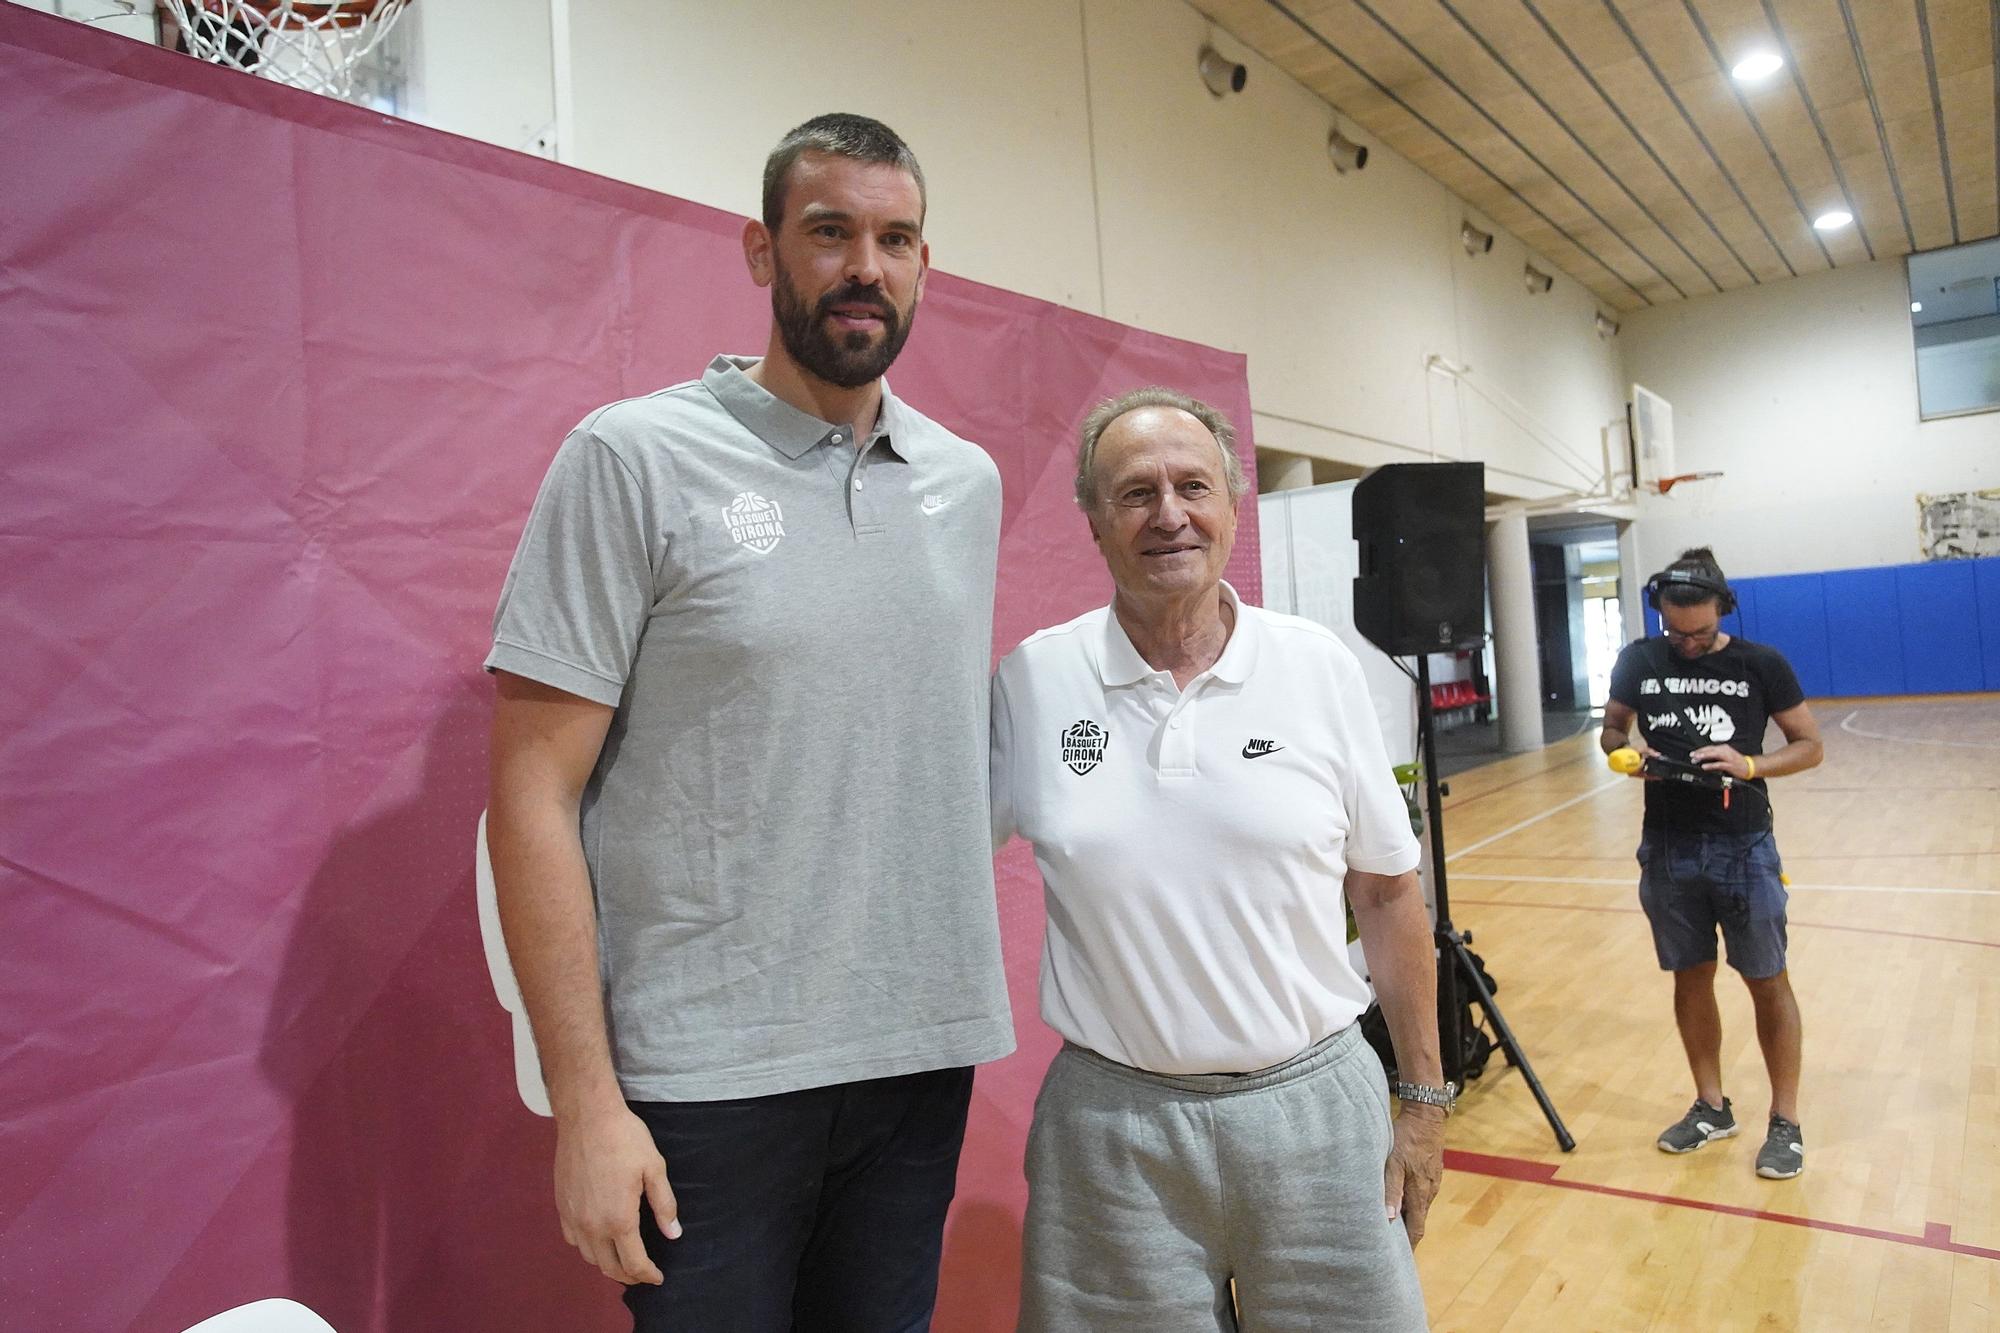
point(1720, 698)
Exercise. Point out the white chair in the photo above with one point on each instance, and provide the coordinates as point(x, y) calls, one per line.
point(527, 1064)
point(276, 1315)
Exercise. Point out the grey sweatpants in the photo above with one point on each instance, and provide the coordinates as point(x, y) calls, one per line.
point(1148, 1193)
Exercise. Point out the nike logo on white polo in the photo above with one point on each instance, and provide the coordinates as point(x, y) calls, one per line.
point(933, 503)
point(1256, 749)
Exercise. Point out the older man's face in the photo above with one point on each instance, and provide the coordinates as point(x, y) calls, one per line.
point(1163, 517)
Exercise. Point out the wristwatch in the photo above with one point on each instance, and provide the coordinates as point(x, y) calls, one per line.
point(1446, 1097)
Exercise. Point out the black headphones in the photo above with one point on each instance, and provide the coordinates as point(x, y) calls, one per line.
point(1684, 578)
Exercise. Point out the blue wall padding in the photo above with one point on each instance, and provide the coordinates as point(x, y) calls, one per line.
point(1864, 631)
point(1931, 628)
point(1986, 578)
point(1790, 615)
point(1938, 607)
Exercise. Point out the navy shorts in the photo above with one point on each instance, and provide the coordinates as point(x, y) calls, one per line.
point(1692, 884)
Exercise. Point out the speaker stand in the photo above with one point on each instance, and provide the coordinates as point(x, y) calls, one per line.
point(1455, 963)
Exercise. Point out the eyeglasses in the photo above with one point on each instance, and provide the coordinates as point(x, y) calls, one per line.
point(1694, 636)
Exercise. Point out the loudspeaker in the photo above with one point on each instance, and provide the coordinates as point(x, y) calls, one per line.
point(1422, 532)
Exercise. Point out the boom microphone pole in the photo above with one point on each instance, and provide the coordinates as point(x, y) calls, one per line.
point(1421, 589)
point(1454, 957)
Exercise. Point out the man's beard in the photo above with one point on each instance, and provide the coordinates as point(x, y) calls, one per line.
point(850, 359)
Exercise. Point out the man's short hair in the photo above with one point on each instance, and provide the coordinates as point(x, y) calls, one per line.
point(1700, 562)
point(842, 135)
point(1111, 409)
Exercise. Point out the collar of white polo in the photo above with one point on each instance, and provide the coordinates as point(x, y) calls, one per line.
point(1119, 663)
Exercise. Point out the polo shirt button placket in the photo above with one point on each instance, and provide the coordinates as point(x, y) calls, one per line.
point(1177, 751)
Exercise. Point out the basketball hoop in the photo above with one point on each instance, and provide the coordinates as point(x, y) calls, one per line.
point(314, 46)
point(1666, 484)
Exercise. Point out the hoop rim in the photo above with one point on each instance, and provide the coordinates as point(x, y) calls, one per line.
point(337, 13)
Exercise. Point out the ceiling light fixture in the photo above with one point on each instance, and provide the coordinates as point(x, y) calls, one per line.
point(1832, 220)
point(1916, 307)
point(1535, 280)
point(1220, 73)
point(1347, 155)
point(1757, 66)
point(1475, 241)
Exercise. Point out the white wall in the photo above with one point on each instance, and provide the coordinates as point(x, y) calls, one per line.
point(1074, 155)
point(484, 69)
point(1804, 393)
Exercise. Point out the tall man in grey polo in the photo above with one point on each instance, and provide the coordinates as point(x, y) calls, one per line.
point(740, 771)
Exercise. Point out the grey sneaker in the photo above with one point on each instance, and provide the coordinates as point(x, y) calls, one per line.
point(1702, 1123)
point(1784, 1152)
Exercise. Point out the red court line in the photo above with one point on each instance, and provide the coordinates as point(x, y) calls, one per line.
point(1809, 925)
point(1936, 1235)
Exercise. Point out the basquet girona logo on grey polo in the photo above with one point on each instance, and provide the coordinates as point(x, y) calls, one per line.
point(754, 521)
point(1083, 746)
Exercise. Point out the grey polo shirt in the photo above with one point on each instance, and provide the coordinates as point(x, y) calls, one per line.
point(787, 830)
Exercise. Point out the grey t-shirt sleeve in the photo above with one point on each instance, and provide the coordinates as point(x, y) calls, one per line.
point(582, 583)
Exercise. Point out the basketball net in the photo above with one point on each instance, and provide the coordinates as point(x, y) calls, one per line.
point(315, 46)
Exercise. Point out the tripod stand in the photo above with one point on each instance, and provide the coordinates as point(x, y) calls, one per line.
point(1455, 963)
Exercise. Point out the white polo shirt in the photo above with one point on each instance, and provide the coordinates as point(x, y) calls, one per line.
point(1193, 843)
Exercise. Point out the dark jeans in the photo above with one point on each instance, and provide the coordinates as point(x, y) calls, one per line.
point(819, 1211)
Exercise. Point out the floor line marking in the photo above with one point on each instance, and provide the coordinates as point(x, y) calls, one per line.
point(1935, 1235)
point(1809, 925)
point(1457, 802)
point(1909, 740)
point(1535, 819)
point(1633, 880)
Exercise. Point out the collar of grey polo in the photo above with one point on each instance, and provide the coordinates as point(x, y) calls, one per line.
point(784, 427)
point(1119, 663)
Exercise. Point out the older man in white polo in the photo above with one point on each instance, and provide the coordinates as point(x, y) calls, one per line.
point(1205, 788)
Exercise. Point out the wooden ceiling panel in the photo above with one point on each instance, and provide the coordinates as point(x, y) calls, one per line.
point(1932, 221)
point(1902, 84)
point(1825, 65)
point(1609, 135)
point(1888, 28)
point(1978, 207)
point(1748, 237)
point(1877, 204)
point(1851, 127)
point(1961, 36)
point(1586, 28)
point(1669, 37)
point(1806, 23)
point(1967, 102)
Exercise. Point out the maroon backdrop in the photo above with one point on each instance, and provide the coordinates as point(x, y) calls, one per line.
point(281, 379)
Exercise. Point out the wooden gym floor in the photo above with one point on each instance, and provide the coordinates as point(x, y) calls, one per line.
point(1893, 850)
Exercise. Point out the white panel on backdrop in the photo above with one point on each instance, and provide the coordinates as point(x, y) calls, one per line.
point(1310, 561)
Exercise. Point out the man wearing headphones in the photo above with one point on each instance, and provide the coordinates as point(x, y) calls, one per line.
point(1701, 698)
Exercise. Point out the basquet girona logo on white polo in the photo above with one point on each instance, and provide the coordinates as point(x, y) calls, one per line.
point(754, 521)
point(1083, 746)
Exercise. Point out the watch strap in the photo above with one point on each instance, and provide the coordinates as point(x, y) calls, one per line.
point(1445, 1097)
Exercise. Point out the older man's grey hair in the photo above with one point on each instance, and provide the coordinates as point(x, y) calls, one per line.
point(1111, 409)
